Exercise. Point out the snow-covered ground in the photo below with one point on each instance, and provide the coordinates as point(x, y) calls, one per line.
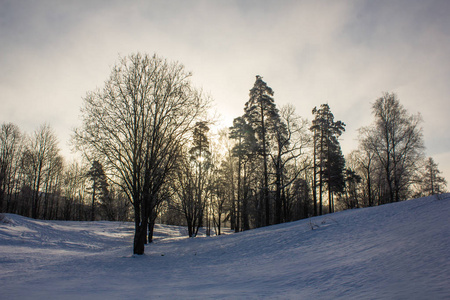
point(395, 251)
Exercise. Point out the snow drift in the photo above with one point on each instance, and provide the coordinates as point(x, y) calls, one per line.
point(395, 251)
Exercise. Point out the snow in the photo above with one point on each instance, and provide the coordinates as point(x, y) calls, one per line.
point(395, 251)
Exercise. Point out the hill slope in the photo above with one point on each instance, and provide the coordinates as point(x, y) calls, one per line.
point(395, 251)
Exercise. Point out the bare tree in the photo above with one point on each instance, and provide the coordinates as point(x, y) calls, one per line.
point(73, 192)
point(10, 144)
point(39, 155)
point(135, 124)
point(365, 164)
point(289, 145)
point(193, 181)
point(184, 188)
point(396, 140)
point(52, 183)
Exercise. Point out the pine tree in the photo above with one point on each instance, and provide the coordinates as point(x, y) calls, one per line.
point(335, 171)
point(200, 156)
point(261, 113)
point(328, 158)
point(281, 143)
point(99, 187)
point(432, 182)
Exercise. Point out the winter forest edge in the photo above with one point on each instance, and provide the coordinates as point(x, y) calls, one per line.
point(150, 154)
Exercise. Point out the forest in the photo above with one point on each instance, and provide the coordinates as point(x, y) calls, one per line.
point(150, 152)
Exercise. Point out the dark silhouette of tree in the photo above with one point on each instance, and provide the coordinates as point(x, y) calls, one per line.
point(53, 179)
point(335, 178)
point(74, 192)
point(262, 114)
point(280, 145)
point(138, 123)
point(99, 185)
point(10, 140)
point(431, 181)
point(200, 157)
point(184, 187)
point(351, 181)
point(396, 140)
point(366, 163)
point(223, 188)
point(298, 200)
point(287, 148)
point(244, 148)
point(191, 181)
point(328, 161)
point(40, 152)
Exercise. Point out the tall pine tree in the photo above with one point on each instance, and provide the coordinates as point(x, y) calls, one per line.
point(261, 113)
point(329, 161)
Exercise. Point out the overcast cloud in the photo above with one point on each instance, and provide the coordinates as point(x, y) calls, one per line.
point(345, 53)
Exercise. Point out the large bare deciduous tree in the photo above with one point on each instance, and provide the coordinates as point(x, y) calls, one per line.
point(396, 140)
point(288, 148)
point(136, 124)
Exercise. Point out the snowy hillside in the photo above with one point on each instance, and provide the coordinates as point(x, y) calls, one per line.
point(396, 251)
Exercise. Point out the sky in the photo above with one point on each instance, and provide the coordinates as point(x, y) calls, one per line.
point(344, 53)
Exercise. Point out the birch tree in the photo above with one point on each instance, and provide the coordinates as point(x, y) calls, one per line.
point(396, 139)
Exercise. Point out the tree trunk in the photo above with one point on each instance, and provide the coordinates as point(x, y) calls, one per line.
point(93, 201)
point(35, 205)
point(321, 175)
point(233, 214)
point(239, 191)
point(266, 175)
point(140, 232)
point(278, 204)
point(245, 220)
point(315, 172)
point(151, 224)
point(2, 192)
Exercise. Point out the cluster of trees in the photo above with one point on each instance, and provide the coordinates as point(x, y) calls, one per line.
point(390, 164)
point(138, 126)
point(148, 140)
point(269, 162)
point(36, 182)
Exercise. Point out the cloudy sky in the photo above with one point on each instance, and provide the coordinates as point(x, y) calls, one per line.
point(344, 53)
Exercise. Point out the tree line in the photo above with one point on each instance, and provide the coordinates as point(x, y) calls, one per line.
point(149, 151)
point(36, 182)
